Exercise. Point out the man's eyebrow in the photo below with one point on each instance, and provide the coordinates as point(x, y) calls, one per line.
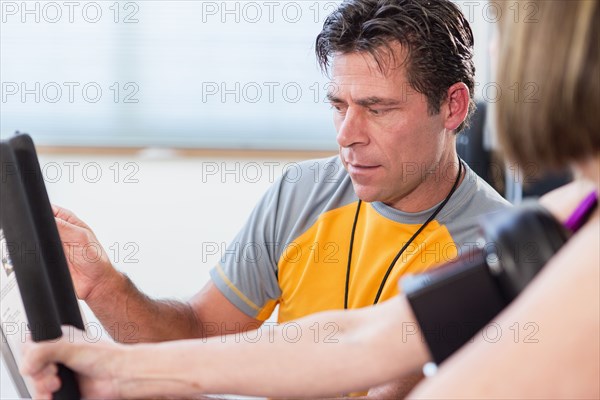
point(333, 98)
point(366, 102)
point(379, 101)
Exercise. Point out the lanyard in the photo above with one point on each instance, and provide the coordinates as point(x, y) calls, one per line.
point(389, 270)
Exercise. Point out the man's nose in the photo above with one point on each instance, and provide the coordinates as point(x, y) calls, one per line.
point(352, 130)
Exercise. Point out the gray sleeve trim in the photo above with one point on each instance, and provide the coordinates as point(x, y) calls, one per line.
point(248, 308)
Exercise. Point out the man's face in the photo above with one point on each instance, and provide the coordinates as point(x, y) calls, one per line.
point(389, 143)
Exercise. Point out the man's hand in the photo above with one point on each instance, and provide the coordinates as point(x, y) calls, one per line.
point(88, 262)
point(94, 363)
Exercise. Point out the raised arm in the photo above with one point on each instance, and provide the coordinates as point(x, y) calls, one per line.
point(129, 315)
point(325, 354)
point(544, 345)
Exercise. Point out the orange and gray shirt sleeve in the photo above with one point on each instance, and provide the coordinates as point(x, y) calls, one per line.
point(247, 273)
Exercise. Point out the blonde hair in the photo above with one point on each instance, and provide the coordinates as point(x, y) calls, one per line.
point(553, 59)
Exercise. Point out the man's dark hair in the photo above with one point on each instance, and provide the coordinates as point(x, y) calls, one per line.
point(435, 35)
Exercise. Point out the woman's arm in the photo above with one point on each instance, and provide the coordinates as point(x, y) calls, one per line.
point(324, 354)
point(549, 343)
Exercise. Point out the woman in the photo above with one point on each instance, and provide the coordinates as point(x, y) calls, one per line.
point(548, 340)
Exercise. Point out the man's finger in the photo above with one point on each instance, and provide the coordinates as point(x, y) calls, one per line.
point(61, 223)
point(68, 230)
point(68, 216)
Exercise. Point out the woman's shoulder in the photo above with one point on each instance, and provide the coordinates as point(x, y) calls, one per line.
point(562, 201)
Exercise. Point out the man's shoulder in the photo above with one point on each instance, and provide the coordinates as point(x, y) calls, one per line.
point(308, 189)
point(324, 177)
point(480, 197)
point(473, 199)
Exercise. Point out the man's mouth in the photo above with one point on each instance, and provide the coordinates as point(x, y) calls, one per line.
point(362, 165)
point(356, 168)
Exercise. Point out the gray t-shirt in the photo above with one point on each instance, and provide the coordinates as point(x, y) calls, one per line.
point(294, 249)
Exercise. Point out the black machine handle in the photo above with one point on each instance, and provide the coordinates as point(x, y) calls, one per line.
point(36, 251)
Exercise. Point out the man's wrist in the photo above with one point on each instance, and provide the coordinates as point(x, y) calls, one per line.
point(111, 290)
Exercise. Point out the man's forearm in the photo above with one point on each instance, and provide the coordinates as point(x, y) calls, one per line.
point(130, 316)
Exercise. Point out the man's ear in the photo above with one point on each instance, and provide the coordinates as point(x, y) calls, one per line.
point(456, 106)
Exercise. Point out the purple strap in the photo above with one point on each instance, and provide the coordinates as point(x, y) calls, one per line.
point(582, 212)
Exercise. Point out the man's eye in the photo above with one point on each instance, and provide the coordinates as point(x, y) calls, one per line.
point(337, 108)
point(377, 112)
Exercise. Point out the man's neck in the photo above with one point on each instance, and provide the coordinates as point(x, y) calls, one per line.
point(435, 186)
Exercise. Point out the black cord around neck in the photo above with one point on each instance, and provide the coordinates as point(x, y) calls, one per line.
point(403, 249)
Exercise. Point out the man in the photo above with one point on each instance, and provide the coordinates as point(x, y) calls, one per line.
point(340, 234)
